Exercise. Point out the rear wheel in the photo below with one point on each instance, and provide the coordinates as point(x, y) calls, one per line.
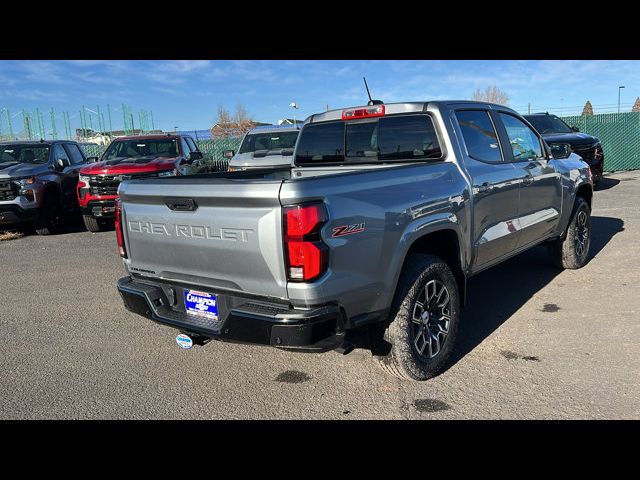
point(573, 251)
point(424, 321)
point(92, 224)
point(51, 217)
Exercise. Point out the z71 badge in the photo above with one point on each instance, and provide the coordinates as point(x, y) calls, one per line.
point(348, 230)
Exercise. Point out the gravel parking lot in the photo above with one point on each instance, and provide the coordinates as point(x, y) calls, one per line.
point(535, 342)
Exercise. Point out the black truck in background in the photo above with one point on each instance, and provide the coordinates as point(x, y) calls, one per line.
point(555, 131)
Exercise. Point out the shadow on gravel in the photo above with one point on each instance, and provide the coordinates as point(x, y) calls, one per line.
point(602, 230)
point(606, 183)
point(72, 224)
point(494, 295)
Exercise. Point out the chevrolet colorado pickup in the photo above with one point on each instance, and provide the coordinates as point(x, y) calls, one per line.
point(368, 240)
point(38, 182)
point(147, 156)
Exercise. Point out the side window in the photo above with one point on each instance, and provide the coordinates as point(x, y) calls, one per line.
point(524, 142)
point(192, 144)
point(74, 154)
point(186, 150)
point(479, 134)
point(60, 153)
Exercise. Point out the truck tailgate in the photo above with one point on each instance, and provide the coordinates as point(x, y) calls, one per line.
point(231, 240)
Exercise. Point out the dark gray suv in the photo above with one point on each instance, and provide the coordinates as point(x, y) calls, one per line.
point(38, 182)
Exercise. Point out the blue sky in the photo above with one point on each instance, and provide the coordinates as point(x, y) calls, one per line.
point(186, 93)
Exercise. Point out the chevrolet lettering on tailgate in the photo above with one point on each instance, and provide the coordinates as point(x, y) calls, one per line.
point(190, 231)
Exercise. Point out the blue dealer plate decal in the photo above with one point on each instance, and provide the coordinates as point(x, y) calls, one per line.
point(201, 303)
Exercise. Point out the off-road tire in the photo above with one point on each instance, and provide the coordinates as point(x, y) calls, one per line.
point(92, 224)
point(51, 217)
point(572, 250)
point(404, 360)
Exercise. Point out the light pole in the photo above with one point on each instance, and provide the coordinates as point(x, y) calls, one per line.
point(294, 105)
point(619, 88)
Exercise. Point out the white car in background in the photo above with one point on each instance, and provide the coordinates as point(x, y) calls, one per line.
point(265, 147)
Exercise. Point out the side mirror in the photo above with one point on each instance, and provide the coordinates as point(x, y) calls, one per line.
point(575, 129)
point(60, 164)
point(560, 150)
point(92, 159)
point(195, 156)
point(229, 154)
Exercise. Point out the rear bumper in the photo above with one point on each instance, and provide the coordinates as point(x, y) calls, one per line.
point(12, 214)
point(317, 330)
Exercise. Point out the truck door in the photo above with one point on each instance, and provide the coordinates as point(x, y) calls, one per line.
point(540, 187)
point(68, 175)
point(494, 187)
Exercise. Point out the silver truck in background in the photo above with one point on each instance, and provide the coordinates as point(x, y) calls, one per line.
point(268, 146)
point(368, 241)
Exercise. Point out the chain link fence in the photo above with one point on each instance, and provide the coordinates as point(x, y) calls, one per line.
point(212, 151)
point(619, 134)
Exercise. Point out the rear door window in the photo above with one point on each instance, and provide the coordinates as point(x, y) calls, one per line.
point(388, 139)
point(479, 135)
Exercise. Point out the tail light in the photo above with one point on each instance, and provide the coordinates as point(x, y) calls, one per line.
point(119, 233)
point(306, 256)
point(363, 112)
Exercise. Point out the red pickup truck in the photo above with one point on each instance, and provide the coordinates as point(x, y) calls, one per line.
point(128, 158)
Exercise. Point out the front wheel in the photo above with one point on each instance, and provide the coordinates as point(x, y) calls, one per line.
point(424, 320)
point(573, 251)
point(51, 217)
point(91, 223)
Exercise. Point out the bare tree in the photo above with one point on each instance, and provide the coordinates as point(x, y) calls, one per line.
point(491, 94)
point(243, 121)
point(231, 126)
point(588, 108)
point(636, 106)
point(223, 115)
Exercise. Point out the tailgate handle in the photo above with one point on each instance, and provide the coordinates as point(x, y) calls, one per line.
point(181, 204)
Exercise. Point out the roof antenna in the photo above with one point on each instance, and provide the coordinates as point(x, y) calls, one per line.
point(371, 100)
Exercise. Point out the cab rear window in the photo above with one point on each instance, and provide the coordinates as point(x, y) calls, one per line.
point(387, 139)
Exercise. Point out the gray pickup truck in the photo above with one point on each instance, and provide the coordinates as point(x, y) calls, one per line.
point(367, 241)
point(38, 182)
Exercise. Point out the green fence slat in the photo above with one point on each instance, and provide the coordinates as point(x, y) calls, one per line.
point(619, 134)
